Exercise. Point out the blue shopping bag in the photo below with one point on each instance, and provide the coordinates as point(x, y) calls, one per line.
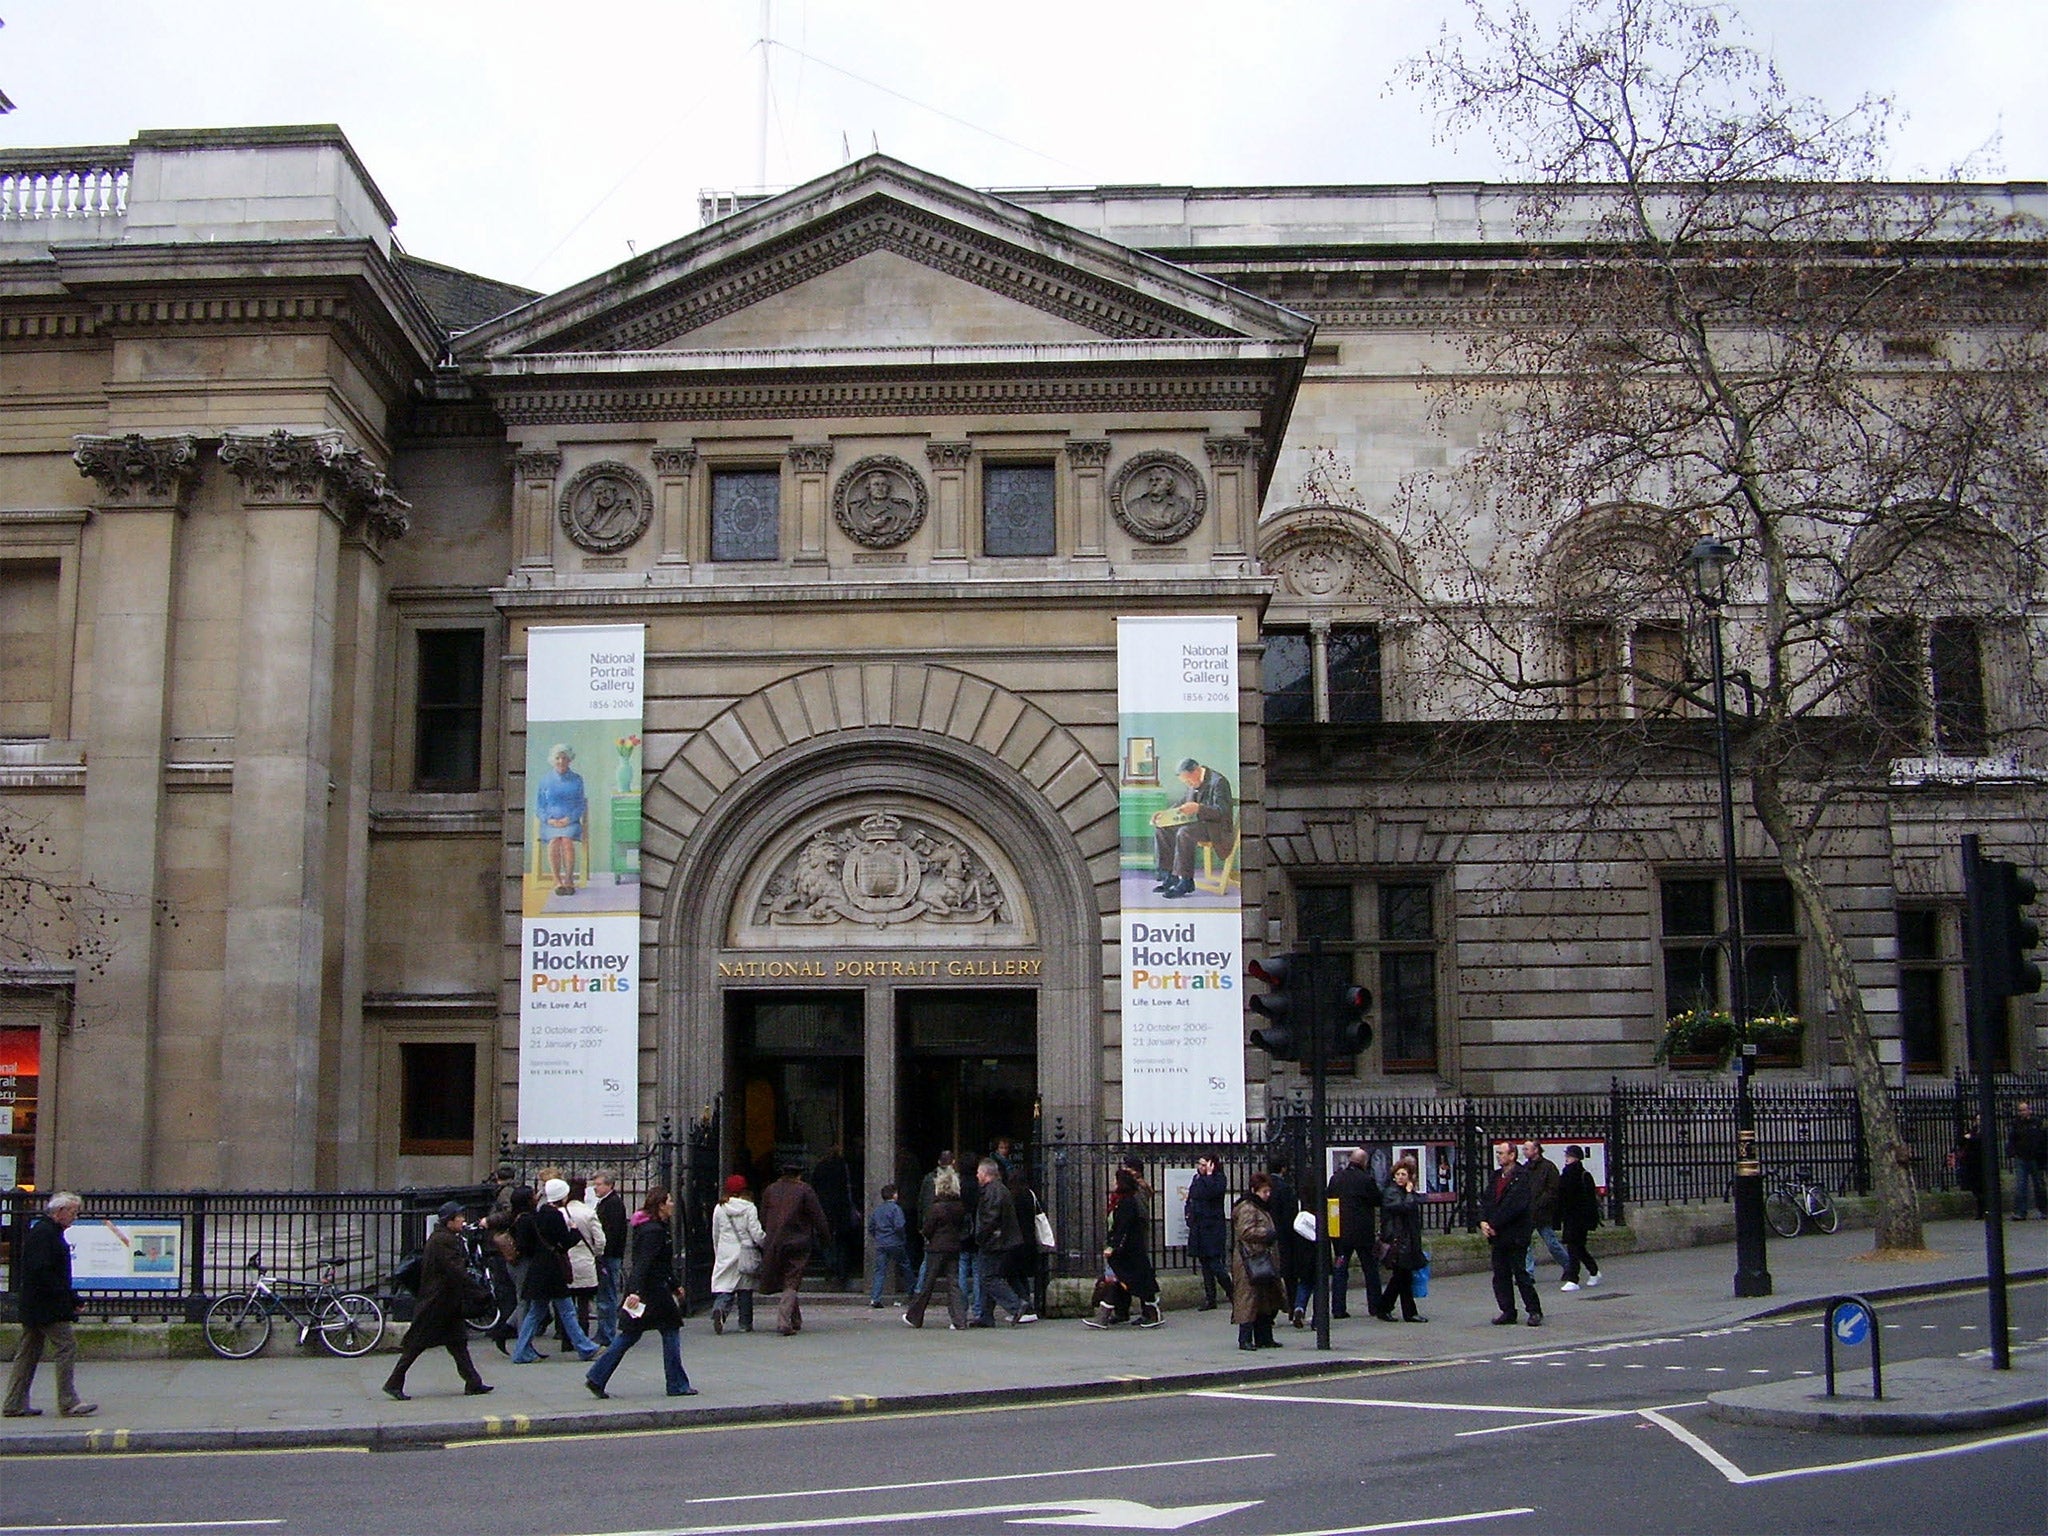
point(1421, 1287)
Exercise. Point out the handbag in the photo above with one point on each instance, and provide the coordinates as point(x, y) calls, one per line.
point(1041, 1225)
point(407, 1276)
point(1259, 1267)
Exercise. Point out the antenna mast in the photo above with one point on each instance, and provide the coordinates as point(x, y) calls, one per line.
point(761, 139)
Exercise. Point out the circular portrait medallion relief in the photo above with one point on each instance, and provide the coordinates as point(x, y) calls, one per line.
point(606, 507)
point(1158, 497)
point(879, 502)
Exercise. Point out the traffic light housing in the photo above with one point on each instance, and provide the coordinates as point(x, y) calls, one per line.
point(1350, 1030)
point(1284, 1005)
point(2013, 935)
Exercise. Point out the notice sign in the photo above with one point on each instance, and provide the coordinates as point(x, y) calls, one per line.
point(579, 982)
point(146, 1255)
point(1183, 932)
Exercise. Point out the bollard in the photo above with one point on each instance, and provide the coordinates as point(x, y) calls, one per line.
point(1850, 1319)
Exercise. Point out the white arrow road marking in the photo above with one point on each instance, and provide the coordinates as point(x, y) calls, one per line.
point(1398, 1402)
point(1736, 1475)
point(141, 1525)
point(1128, 1515)
point(1001, 1477)
point(1414, 1525)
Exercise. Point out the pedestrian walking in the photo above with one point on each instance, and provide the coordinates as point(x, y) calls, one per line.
point(737, 1243)
point(1209, 1228)
point(440, 1317)
point(654, 1298)
point(832, 1179)
point(2026, 1144)
point(1969, 1163)
point(545, 1238)
point(611, 1215)
point(945, 1232)
point(1029, 1266)
point(1128, 1255)
point(925, 1195)
point(797, 1228)
point(1285, 1206)
point(1578, 1211)
point(888, 1231)
point(47, 1307)
point(1400, 1246)
point(585, 1256)
point(1543, 1177)
point(1505, 1220)
point(1258, 1284)
point(996, 1236)
point(1358, 1198)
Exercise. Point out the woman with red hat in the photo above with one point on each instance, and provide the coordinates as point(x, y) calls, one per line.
point(737, 1239)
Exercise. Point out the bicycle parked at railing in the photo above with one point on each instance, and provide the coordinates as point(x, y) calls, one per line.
point(1792, 1202)
point(238, 1324)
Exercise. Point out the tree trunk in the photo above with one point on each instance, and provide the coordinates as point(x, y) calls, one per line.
point(1891, 1160)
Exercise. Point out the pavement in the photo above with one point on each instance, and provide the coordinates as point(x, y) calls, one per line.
point(850, 1359)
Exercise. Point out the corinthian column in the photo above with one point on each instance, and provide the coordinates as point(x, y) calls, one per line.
point(107, 1072)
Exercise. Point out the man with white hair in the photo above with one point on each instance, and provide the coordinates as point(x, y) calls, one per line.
point(48, 1308)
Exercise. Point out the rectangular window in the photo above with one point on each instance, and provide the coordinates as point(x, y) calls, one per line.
point(1593, 691)
point(1397, 958)
point(1354, 668)
point(1923, 1016)
point(1955, 664)
point(1289, 673)
point(448, 711)
point(437, 1106)
point(1895, 701)
point(1017, 510)
point(746, 514)
point(1692, 969)
point(1694, 922)
point(28, 647)
point(1658, 661)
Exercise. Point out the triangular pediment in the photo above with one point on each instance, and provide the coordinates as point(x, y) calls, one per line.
point(881, 255)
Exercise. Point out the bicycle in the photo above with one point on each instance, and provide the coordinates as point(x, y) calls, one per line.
point(1791, 1203)
point(238, 1324)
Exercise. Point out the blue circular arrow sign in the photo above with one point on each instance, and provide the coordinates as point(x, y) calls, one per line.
point(1850, 1322)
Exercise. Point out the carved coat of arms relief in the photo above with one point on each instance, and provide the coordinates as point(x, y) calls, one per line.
point(882, 870)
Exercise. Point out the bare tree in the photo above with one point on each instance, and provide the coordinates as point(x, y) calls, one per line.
point(53, 925)
point(1720, 318)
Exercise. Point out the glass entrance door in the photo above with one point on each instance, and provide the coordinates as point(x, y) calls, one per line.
point(969, 1071)
point(797, 1087)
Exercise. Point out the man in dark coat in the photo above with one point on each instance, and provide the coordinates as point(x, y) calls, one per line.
point(446, 1293)
point(1285, 1205)
point(611, 1265)
point(832, 1179)
point(996, 1232)
point(796, 1227)
point(1504, 1217)
point(48, 1307)
point(1578, 1212)
point(1212, 810)
point(1209, 1228)
point(1357, 1194)
point(2026, 1143)
point(1543, 1177)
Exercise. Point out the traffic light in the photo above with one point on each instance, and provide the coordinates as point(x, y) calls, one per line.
point(1350, 1032)
point(1283, 1006)
point(2012, 934)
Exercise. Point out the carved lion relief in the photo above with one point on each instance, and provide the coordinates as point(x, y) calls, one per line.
point(1158, 497)
point(606, 507)
point(879, 502)
point(881, 870)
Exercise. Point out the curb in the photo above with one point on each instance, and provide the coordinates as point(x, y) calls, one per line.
point(1873, 1419)
point(441, 1433)
point(1907, 1291)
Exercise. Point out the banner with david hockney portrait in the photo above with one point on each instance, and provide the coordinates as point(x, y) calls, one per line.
point(1183, 939)
point(579, 980)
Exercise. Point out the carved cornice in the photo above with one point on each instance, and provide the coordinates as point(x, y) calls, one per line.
point(536, 464)
point(1231, 450)
point(286, 468)
point(1088, 453)
point(795, 399)
point(987, 262)
point(47, 325)
point(138, 471)
point(674, 463)
point(811, 458)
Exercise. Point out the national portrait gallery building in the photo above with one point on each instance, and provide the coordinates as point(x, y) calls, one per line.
point(433, 712)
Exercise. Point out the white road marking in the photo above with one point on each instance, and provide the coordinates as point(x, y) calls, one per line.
point(1501, 1429)
point(1736, 1475)
point(142, 1525)
point(1413, 1525)
point(958, 1482)
point(1684, 1436)
point(1396, 1402)
point(1129, 1515)
point(1126, 1514)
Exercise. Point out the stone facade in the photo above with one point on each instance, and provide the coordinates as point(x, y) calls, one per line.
point(877, 463)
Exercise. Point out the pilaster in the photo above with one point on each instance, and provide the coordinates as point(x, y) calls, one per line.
point(1087, 460)
point(1233, 467)
point(534, 473)
point(810, 463)
point(673, 468)
point(949, 463)
point(107, 1076)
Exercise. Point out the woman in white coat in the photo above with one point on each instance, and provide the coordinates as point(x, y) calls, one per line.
point(583, 1256)
point(737, 1239)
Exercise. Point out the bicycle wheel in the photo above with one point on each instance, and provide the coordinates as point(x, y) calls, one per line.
point(1782, 1212)
point(237, 1326)
point(483, 1319)
point(350, 1324)
point(1820, 1209)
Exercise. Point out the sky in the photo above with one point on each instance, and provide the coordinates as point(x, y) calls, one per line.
point(541, 143)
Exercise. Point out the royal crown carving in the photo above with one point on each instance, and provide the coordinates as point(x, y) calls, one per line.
point(880, 502)
point(1158, 497)
point(134, 468)
point(606, 507)
point(882, 870)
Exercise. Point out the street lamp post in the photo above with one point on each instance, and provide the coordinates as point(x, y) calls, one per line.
point(1707, 563)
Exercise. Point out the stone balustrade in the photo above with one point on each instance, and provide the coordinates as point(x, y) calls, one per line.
point(39, 185)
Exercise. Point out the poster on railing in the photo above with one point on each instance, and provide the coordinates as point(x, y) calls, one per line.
point(126, 1255)
point(1183, 932)
point(579, 976)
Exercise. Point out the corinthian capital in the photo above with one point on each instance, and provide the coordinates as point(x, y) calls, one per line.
point(284, 468)
point(134, 470)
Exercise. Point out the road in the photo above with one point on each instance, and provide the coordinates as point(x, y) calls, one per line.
point(1587, 1439)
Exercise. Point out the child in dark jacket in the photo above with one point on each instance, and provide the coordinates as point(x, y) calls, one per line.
point(887, 1232)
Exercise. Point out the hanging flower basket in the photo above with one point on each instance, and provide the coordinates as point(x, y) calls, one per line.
point(1706, 1037)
